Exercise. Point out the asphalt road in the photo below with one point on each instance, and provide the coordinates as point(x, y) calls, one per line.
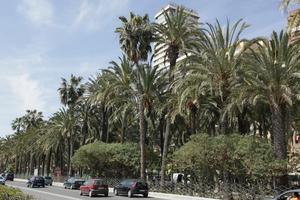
point(58, 193)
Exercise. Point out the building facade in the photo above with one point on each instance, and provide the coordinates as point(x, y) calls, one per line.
point(294, 25)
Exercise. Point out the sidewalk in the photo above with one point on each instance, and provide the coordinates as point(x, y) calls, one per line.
point(151, 194)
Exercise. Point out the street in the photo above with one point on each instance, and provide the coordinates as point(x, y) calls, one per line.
point(58, 193)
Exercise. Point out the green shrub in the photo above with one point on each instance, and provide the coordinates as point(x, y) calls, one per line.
point(8, 193)
point(111, 160)
point(243, 158)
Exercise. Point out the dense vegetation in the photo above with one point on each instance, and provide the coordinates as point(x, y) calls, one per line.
point(186, 112)
point(7, 193)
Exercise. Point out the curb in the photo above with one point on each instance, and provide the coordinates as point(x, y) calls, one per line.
point(151, 194)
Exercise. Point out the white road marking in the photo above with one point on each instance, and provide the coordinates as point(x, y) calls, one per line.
point(43, 192)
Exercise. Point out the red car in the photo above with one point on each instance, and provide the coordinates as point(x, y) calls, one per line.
point(94, 187)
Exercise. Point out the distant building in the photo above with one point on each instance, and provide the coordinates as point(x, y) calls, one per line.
point(294, 25)
point(159, 57)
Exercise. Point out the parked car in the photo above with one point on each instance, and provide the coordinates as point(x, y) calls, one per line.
point(132, 187)
point(2, 180)
point(36, 181)
point(94, 187)
point(48, 180)
point(73, 183)
point(9, 176)
point(286, 195)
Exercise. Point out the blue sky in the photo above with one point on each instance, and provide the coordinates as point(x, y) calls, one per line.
point(44, 40)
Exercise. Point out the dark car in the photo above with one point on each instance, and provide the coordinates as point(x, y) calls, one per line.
point(48, 180)
point(287, 195)
point(73, 183)
point(36, 181)
point(94, 187)
point(9, 176)
point(132, 187)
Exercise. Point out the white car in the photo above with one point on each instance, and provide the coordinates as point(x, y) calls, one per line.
point(2, 180)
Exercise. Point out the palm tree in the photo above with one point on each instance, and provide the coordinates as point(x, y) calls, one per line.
point(70, 92)
point(121, 77)
point(217, 60)
point(98, 93)
point(272, 77)
point(177, 35)
point(135, 37)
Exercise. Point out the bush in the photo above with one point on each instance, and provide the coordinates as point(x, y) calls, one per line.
point(111, 160)
point(243, 159)
point(8, 193)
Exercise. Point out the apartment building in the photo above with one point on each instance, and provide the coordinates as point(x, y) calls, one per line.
point(160, 50)
point(294, 25)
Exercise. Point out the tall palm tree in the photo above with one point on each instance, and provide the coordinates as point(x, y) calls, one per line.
point(217, 60)
point(135, 37)
point(121, 77)
point(177, 35)
point(272, 77)
point(70, 92)
point(98, 92)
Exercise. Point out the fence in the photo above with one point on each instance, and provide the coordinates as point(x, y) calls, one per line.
point(233, 191)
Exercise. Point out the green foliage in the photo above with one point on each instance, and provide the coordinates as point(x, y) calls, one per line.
point(244, 157)
point(102, 159)
point(7, 193)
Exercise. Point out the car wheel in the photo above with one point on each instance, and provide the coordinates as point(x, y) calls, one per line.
point(43, 186)
point(116, 192)
point(145, 195)
point(51, 184)
point(81, 193)
point(129, 194)
point(106, 194)
point(90, 194)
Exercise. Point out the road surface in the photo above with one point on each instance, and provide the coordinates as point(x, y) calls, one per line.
point(59, 193)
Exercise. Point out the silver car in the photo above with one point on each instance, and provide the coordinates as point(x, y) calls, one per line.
point(2, 180)
point(287, 195)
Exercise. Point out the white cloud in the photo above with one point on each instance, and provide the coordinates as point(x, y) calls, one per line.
point(39, 12)
point(94, 15)
point(26, 91)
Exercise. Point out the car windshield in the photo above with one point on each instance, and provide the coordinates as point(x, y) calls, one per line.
point(99, 182)
point(79, 182)
point(38, 178)
point(141, 184)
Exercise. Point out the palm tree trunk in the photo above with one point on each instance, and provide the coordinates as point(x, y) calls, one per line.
point(48, 160)
point(70, 170)
point(279, 138)
point(165, 152)
point(124, 127)
point(142, 135)
point(104, 124)
point(16, 164)
point(43, 164)
point(278, 132)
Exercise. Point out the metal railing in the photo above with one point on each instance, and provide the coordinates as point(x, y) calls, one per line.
point(219, 190)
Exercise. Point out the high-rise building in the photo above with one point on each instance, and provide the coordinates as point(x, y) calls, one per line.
point(294, 25)
point(160, 50)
